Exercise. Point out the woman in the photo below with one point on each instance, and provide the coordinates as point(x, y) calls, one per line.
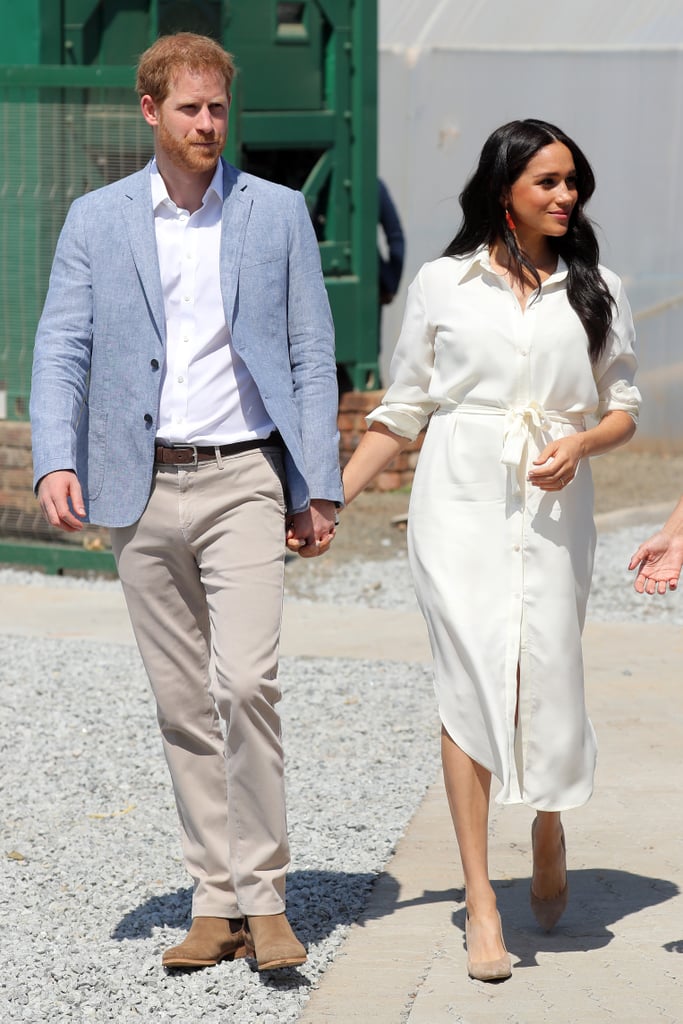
point(509, 341)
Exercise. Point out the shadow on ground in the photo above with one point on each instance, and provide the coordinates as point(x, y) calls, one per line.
point(317, 903)
point(597, 899)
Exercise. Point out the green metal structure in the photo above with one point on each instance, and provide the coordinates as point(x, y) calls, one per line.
point(304, 114)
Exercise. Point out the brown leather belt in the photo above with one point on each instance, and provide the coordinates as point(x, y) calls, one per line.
point(192, 454)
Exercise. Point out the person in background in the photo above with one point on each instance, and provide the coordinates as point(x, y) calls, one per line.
point(391, 265)
point(658, 561)
point(390, 269)
point(509, 341)
point(184, 394)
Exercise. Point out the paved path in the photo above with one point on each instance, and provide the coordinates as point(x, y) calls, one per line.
point(617, 955)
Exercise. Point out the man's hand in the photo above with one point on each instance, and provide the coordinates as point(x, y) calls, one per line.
point(658, 561)
point(60, 496)
point(310, 533)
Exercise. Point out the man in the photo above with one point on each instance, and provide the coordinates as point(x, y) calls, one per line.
point(184, 395)
point(660, 558)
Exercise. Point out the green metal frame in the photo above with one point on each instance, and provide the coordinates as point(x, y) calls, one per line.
point(307, 86)
point(56, 559)
point(305, 96)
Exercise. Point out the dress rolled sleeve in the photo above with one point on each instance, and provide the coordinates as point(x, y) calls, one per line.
point(616, 368)
point(407, 404)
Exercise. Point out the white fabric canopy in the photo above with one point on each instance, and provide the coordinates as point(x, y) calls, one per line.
point(429, 23)
point(611, 75)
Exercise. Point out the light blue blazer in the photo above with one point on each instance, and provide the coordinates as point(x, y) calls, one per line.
point(100, 342)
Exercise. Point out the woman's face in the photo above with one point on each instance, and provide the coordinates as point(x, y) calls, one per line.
point(543, 196)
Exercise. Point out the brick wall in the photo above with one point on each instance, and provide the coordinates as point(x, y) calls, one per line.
point(18, 507)
point(353, 408)
point(21, 517)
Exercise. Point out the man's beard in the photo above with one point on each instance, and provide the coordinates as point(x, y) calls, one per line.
point(190, 154)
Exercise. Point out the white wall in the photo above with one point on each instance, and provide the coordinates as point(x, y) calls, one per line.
point(622, 105)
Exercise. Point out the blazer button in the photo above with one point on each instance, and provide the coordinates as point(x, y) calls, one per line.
point(148, 417)
point(154, 364)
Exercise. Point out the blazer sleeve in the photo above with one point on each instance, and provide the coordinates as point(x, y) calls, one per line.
point(62, 352)
point(312, 358)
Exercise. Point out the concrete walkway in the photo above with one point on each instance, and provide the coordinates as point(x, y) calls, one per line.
point(617, 954)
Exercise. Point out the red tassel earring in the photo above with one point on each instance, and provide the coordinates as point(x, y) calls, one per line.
point(509, 221)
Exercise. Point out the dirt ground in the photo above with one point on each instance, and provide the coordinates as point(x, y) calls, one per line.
point(623, 479)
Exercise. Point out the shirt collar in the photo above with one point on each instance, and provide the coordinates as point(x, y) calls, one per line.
point(479, 261)
point(160, 194)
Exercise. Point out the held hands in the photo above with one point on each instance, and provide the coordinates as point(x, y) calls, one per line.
point(557, 464)
point(310, 533)
point(658, 561)
point(61, 500)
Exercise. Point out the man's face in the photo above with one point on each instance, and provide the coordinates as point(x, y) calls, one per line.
point(192, 122)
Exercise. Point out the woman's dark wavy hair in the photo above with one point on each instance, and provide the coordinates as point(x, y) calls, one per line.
point(506, 153)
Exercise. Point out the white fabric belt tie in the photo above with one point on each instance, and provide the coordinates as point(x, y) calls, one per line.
point(518, 426)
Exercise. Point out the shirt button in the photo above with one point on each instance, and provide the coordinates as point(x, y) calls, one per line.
point(180, 380)
point(186, 298)
point(524, 352)
point(517, 547)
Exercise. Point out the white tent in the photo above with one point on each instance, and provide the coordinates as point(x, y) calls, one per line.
point(610, 73)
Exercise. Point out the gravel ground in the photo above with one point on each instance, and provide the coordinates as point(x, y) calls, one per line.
point(386, 583)
point(93, 887)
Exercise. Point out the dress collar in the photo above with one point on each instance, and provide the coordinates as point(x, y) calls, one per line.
point(479, 261)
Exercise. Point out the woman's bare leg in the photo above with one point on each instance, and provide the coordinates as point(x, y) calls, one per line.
point(468, 786)
point(550, 876)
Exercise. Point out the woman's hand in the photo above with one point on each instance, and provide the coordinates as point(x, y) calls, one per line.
point(658, 561)
point(557, 463)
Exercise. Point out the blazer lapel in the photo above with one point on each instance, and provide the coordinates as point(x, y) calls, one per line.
point(236, 210)
point(138, 214)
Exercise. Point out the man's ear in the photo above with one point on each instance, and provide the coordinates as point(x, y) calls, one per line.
point(149, 110)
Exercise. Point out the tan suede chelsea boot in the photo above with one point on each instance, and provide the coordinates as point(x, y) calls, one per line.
point(270, 939)
point(209, 940)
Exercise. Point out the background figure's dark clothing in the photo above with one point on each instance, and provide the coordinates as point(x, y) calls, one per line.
point(390, 269)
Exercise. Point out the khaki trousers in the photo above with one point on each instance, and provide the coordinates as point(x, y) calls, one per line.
point(202, 573)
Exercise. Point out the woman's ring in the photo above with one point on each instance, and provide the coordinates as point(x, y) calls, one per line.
point(561, 482)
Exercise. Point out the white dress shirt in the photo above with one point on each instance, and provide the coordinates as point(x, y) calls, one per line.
point(207, 394)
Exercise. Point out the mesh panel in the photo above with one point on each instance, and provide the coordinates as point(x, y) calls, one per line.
point(51, 154)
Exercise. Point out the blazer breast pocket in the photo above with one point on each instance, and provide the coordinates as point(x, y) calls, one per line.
point(257, 258)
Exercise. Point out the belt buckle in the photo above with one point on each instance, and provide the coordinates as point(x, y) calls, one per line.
point(187, 448)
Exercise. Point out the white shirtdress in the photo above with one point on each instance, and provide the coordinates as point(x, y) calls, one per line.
point(502, 569)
